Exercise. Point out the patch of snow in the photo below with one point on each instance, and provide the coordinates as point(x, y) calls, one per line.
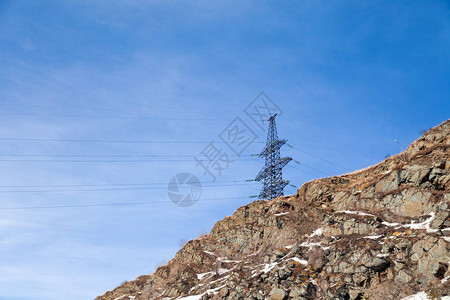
point(195, 297)
point(223, 271)
point(423, 296)
point(254, 274)
point(215, 290)
point(390, 224)
point(123, 297)
point(447, 238)
point(289, 247)
point(373, 237)
point(302, 261)
point(351, 212)
point(445, 279)
point(221, 259)
point(424, 225)
point(317, 232)
point(202, 275)
point(311, 245)
point(382, 255)
point(307, 244)
point(418, 296)
point(220, 279)
point(198, 297)
point(268, 267)
point(281, 214)
point(445, 229)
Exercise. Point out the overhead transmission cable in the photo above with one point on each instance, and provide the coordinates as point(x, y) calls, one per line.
point(105, 155)
point(106, 189)
point(111, 204)
point(114, 184)
point(312, 168)
point(110, 161)
point(113, 117)
point(110, 141)
point(318, 157)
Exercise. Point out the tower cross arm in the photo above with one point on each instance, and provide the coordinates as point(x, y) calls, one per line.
point(261, 174)
point(272, 146)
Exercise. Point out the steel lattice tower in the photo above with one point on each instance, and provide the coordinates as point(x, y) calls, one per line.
point(271, 173)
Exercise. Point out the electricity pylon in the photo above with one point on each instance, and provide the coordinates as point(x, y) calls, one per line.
point(271, 173)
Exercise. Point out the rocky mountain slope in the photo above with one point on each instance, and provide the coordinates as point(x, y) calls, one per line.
point(378, 233)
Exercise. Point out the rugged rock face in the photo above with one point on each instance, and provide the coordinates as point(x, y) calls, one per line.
point(379, 233)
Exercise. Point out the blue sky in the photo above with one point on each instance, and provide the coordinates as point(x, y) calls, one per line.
point(349, 76)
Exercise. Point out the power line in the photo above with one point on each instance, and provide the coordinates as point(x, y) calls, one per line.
point(125, 161)
point(112, 117)
point(111, 141)
point(318, 157)
point(297, 168)
point(111, 161)
point(312, 168)
point(115, 156)
point(110, 204)
point(126, 156)
point(103, 108)
point(107, 189)
point(112, 184)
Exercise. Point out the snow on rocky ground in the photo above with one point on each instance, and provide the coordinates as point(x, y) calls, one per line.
point(372, 237)
point(268, 267)
point(390, 224)
point(281, 214)
point(198, 297)
point(221, 259)
point(203, 275)
point(423, 296)
point(301, 261)
point(317, 232)
point(125, 297)
point(195, 297)
point(424, 225)
point(311, 244)
point(351, 212)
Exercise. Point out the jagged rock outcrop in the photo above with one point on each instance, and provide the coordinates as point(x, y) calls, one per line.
point(378, 233)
